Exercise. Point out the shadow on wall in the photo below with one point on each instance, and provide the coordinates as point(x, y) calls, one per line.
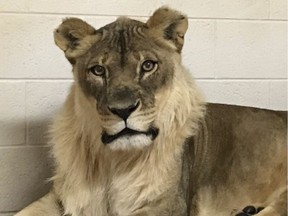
point(24, 169)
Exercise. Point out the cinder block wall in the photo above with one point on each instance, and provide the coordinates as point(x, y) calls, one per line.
point(237, 51)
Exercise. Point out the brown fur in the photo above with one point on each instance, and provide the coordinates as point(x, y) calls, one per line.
point(205, 160)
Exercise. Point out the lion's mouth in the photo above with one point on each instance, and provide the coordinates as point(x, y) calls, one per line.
point(106, 138)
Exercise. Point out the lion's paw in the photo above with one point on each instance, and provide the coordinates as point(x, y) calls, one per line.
point(250, 210)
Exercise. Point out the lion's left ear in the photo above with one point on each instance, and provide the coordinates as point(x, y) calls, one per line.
point(170, 24)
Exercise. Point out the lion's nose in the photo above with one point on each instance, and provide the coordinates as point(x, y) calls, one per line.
point(124, 113)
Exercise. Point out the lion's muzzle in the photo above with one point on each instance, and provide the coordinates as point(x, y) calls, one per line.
point(129, 123)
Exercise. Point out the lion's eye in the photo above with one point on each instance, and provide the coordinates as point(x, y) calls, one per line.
point(149, 65)
point(97, 70)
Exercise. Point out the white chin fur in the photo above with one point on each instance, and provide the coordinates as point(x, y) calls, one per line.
point(127, 142)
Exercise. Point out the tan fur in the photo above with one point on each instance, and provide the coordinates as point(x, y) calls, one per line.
point(172, 174)
point(131, 171)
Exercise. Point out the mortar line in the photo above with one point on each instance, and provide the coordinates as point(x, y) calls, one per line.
point(135, 16)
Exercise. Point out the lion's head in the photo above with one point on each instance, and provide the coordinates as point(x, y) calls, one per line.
point(127, 70)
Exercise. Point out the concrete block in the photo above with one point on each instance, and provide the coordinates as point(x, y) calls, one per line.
point(24, 171)
point(44, 99)
point(232, 9)
point(278, 9)
point(112, 7)
point(278, 95)
point(198, 51)
point(245, 93)
point(257, 9)
point(12, 113)
point(251, 50)
point(29, 48)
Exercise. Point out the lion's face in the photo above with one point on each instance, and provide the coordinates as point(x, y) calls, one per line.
point(122, 68)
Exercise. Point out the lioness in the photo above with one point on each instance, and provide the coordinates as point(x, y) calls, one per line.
point(135, 137)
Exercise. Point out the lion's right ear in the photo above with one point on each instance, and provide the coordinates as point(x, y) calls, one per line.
point(74, 37)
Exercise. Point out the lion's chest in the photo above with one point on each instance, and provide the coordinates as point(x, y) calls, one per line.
point(131, 192)
point(121, 193)
point(121, 197)
point(83, 202)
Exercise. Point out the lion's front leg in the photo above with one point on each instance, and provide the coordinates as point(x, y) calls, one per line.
point(46, 206)
point(278, 207)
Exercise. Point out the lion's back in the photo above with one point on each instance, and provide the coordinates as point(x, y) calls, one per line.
point(246, 155)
